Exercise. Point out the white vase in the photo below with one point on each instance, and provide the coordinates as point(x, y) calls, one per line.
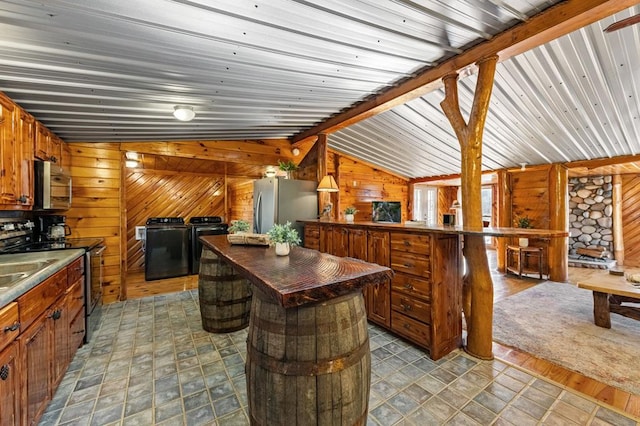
point(523, 242)
point(348, 217)
point(282, 249)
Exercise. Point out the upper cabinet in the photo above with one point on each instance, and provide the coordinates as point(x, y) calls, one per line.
point(23, 139)
point(47, 145)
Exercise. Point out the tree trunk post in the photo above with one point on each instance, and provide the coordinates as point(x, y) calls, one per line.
point(477, 284)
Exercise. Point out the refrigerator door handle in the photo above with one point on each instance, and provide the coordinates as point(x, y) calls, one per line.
point(256, 214)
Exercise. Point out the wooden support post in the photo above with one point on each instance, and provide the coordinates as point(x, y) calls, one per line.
point(558, 219)
point(477, 284)
point(618, 240)
point(504, 217)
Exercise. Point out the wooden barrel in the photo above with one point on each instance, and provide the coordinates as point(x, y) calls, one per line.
point(309, 365)
point(225, 297)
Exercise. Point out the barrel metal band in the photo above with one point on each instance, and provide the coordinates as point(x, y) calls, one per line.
point(212, 279)
point(230, 302)
point(307, 368)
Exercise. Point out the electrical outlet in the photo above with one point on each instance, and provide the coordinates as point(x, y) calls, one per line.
point(140, 232)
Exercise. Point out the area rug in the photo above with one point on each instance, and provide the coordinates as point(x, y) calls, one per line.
point(554, 321)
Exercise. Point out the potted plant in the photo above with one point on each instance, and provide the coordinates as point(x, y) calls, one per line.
point(283, 237)
point(287, 166)
point(238, 226)
point(525, 223)
point(349, 212)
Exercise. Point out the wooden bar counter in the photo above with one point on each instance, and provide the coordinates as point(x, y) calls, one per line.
point(308, 357)
point(423, 301)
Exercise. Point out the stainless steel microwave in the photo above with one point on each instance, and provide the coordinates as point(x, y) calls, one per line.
point(52, 187)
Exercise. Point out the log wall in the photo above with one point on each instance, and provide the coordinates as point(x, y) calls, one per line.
point(97, 210)
point(240, 199)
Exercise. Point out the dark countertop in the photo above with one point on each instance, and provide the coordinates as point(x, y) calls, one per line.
point(304, 276)
point(421, 227)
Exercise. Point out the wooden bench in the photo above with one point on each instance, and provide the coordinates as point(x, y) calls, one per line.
point(609, 294)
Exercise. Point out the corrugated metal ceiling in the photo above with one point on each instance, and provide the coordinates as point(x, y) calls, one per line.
point(576, 98)
point(102, 70)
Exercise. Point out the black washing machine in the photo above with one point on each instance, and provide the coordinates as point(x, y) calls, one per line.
point(203, 225)
point(166, 252)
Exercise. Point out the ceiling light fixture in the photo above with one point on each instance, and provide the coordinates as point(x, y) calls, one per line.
point(295, 152)
point(183, 112)
point(132, 164)
point(328, 184)
point(523, 166)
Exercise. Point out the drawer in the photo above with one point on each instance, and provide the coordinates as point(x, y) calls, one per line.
point(409, 306)
point(75, 271)
point(9, 324)
point(416, 331)
point(75, 298)
point(410, 263)
point(312, 237)
point(410, 243)
point(412, 285)
point(37, 300)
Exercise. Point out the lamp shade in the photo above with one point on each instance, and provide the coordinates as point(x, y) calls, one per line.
point(328, 184)
point(183, 112)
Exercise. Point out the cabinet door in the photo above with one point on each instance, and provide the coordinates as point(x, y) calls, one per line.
point(339, 241)
point(43, 140)
point(312, 236)
point(357, 243)
point(8, 158)
point(379, 303)
point(9, 386)
point(34, 349)
point(55, 148)
point(25, 141)
point(60, 320)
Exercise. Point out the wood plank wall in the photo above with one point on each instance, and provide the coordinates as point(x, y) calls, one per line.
point(530, 195)
point(153, 193)
point(240, 199)
point(360, 184)
point(631, 219)
point(96, 211)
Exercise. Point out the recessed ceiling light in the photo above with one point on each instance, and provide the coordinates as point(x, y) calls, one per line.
point(183, 112)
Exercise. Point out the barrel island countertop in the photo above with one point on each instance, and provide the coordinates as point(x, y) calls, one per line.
point(303, 277)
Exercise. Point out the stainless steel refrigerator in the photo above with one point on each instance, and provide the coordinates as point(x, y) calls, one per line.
point(277, 200)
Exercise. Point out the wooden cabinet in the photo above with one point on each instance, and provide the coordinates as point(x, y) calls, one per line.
point(312, 237)
point(10, 386)
point(52, 320)
point(17, 135)
point(42, 147)
point(423, 302)
point(35, 344)
point(426, 291)
point(378, 297)
point(25, 139)
point(8, 158)
point(9, 366)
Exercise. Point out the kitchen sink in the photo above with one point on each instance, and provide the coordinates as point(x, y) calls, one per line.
point(23, 267)
point(7, 280)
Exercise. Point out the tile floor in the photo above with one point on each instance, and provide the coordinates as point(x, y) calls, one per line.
point(151, 363)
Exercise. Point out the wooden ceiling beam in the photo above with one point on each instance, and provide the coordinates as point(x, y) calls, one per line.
point(554, 22)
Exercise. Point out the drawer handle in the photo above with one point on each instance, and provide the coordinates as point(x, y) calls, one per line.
point(406, 243)
point(408, 286)
point(12, 327)
point(79, 332)
point(407, 326)
point(408, 265)
point(405, 307)
point(56, 315)
point(4, 372)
